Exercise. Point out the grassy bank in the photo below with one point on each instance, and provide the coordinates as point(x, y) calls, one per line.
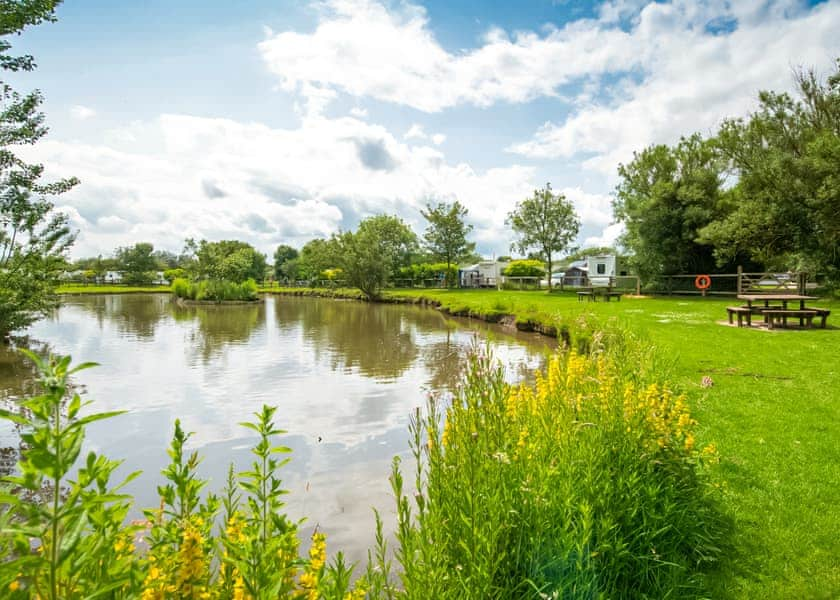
point(113, 289)
point(771, 408)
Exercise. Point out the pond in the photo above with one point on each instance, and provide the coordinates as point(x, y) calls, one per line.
point(345, 376)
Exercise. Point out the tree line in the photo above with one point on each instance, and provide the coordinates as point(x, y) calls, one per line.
point(381, 250)
point(762, 192)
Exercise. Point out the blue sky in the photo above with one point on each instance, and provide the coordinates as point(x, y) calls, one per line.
point(276, 122)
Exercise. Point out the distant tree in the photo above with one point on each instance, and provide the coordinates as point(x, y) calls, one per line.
point(137, 262)
point(446, 235)
point(546, 222)
point(282, 255)
point(374, 252)
point(33, 239)
point(525, 268)
point(229, 260)
point(315, 257)
point(665, 196)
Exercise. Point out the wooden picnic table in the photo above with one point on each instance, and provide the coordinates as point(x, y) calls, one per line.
point(768, 298)
point(779, 313)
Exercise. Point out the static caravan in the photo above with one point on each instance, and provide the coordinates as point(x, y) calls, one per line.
point(603, 269)
point(487, 273)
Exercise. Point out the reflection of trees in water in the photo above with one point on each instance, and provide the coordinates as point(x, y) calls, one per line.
point(132, 314)
point(220, 326)
point(446, 361)
point(375, 339)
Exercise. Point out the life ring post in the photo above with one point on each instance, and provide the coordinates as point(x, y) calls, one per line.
point(702, 283)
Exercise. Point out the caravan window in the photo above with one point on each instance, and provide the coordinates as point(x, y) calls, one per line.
point(602, 268)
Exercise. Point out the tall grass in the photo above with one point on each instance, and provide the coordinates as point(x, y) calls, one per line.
point(586, 484)
point(215, 290)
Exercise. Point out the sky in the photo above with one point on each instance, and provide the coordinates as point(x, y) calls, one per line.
point(276, 122)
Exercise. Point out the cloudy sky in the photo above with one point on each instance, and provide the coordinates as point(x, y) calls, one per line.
point(277, 121)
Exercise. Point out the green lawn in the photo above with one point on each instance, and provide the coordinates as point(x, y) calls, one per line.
point(773, 411)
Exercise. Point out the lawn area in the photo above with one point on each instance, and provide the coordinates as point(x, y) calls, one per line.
point(772, 410)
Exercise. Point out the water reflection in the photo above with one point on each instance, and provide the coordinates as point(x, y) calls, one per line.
point(219, 326)
point(378, 343)
point(344, 375)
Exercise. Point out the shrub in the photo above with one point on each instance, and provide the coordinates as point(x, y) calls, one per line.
point(586, 484)
point(524, 268)
point(215, 290)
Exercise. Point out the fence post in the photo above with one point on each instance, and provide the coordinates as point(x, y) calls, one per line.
point(803, 278)
point(740, 272)
point(638, 286)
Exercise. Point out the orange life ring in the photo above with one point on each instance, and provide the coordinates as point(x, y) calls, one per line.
point(702, 282)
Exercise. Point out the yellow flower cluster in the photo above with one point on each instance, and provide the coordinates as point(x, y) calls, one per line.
point(156, 586)
point(192, 566)
point(311, 576)
point(661, 416)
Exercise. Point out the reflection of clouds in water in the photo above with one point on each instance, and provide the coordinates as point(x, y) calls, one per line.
point(347, 372)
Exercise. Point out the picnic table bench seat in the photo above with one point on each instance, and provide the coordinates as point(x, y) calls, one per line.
point(741, 312)
point(779, 316)
point(823, 314)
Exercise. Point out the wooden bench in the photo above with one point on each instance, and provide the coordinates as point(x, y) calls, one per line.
point(823, 314)
point(586, 294)
point(608, 295)
point(775, 316)
point(741, 311)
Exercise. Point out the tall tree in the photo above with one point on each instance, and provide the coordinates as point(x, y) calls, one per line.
point(546, 222)
point(282, 255)
point(446, 235)
point(375, 252)
point(138, 262)
point(665, 197)
point(786, 158)
point(33, 238)
point(231, 260)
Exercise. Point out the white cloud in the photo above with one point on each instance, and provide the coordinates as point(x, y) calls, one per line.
point(354, 49)
point(438, 139)
point(415, 132)
point(82, 113)
point(692, 78)
point(219, 178)
point(359, 112)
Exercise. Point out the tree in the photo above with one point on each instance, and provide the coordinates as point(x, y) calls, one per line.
point(33, 238)
point(446, 236)
point(137, 262)
point(316, 256)
point(374, 252)
point(786, 158)
point(229, 260)
point(282, 255)
point(546, 222)
point(665, 197)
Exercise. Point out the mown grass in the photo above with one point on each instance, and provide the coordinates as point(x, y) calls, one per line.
point(772, 410)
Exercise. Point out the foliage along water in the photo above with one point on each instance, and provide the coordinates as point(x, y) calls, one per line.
point(345, 375)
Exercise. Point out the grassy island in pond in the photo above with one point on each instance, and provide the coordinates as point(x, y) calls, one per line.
point(215, 290)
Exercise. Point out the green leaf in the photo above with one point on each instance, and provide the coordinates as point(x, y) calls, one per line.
point(14, 417)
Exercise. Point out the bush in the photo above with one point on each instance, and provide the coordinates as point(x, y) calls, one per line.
point(586, 484)
point(215, 290)
point(524, 268)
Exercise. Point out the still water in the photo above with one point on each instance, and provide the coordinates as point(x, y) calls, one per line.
point(344, 375)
